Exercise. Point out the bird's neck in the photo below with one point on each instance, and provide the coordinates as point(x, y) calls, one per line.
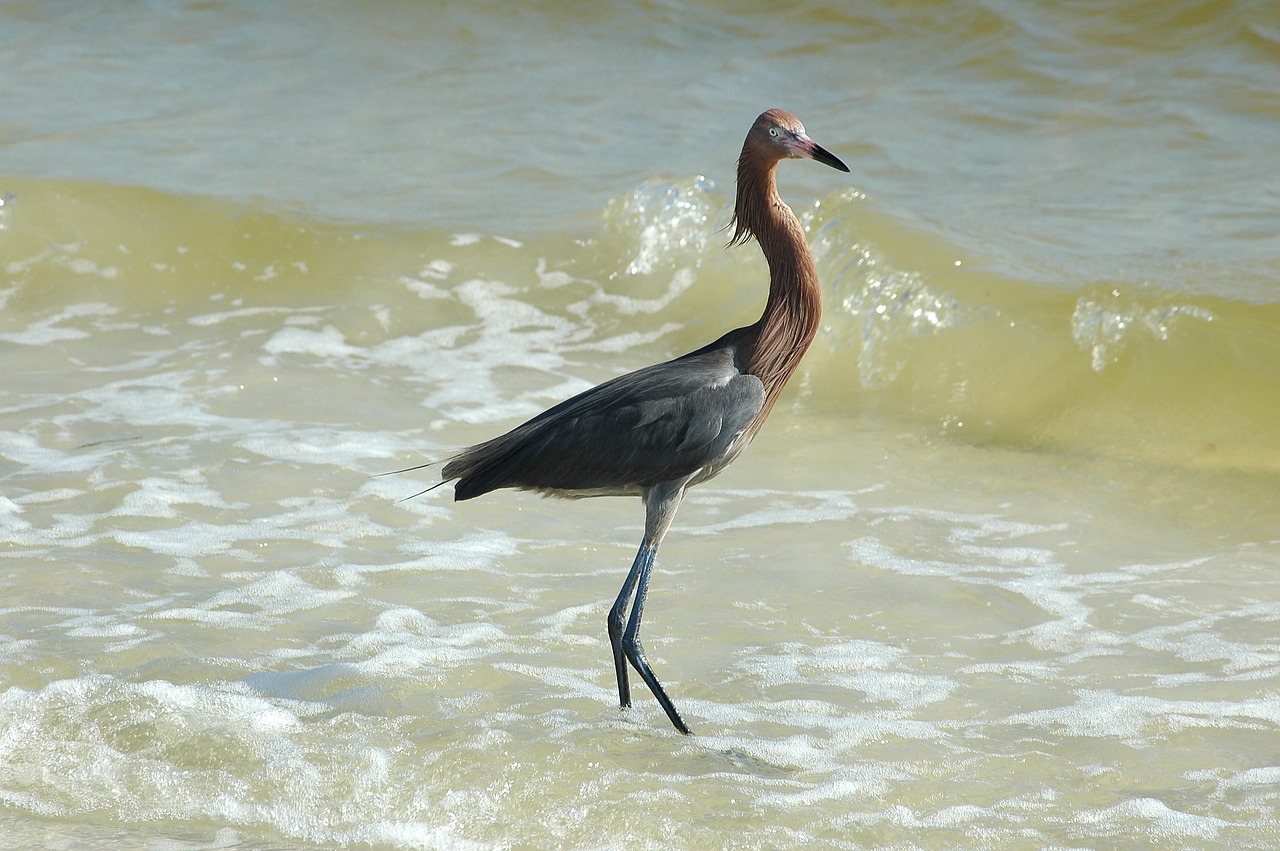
point(793, 311)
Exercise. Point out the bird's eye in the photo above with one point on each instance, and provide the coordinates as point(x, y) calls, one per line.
point(773, 131)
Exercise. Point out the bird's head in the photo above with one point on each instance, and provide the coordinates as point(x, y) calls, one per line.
point(778, 135)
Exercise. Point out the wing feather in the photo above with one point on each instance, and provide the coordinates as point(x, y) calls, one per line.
point(660, 423)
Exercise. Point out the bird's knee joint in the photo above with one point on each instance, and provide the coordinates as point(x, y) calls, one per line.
point(633, 648)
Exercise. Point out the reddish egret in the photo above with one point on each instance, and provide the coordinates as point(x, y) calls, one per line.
point(659, 430)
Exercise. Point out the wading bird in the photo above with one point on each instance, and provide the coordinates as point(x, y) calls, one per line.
point(659, 430)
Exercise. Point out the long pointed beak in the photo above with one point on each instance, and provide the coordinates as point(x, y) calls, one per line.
point(806, 147)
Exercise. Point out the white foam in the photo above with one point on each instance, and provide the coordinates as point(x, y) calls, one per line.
point(157, 497)
point(317, 445)
point(10, 515)
point(29, 453)
point(50, 329)
point(786, 509)
point(627, 305)
point(1162, 822)
point(85, 266)
point(1103, 713)
point(206, 320)
point(328, 342)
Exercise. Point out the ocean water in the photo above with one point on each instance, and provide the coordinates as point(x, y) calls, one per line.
point(1002, 570)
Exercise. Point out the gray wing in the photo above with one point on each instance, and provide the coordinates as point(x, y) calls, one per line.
point(661, 423)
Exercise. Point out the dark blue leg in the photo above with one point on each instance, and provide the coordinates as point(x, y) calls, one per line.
point(660, 502)
point(632, 647)
point(618, 620)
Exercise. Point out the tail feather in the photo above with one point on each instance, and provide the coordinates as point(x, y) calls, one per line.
point(449, 462)
point(424, 490)
point(484, 467)
point(405, 470)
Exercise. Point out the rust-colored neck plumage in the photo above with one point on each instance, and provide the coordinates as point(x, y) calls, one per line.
point(779, 339)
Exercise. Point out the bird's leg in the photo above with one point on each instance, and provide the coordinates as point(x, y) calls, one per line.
point(618, 621)
point(634, 650)
point(661, 502)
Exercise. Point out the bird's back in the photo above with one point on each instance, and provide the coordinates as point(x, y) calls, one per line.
point(667, 422)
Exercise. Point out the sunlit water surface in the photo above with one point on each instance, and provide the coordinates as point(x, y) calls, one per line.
point(1002, 571)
